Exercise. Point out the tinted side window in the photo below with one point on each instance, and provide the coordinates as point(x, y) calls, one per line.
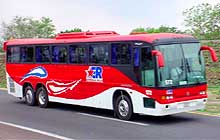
point(13, 54)
point(77, 54)
point(136, 57)
point(147, 67)
point(26, 54)
point(121, 53)
point(42, 54)
point(59, 54)
point(98, 53)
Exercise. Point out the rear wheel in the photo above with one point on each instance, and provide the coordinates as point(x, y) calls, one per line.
point(29, 96)
point(123, 108)
point(42, 97)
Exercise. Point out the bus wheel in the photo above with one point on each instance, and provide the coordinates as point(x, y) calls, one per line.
point(42, 97)
point(123, 108)
point(29, 96)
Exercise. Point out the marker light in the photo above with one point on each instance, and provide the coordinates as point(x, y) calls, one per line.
point(166, 97)
point(169, 92)
point(202, 92)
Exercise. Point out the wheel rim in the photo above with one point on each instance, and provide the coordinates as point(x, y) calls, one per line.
point(29, 96)
point(123, 108)
point(42, 97)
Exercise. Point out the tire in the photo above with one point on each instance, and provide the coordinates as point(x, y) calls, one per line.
point(123, 108)
point(42, 97)
point(29, 96)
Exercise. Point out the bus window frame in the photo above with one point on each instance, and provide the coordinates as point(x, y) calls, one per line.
point(132, 55)
point(33, 55)
point(154, 67)
point(20, 46)
point(50, 49)
point(51, 55)
point(98, 43)
point(78, 44)
point(8, 47)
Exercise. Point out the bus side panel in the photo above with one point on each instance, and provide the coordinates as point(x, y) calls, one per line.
point(104, 100)
point(70, 83)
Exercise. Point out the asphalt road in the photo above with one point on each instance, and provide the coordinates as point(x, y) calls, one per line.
point(87, 123)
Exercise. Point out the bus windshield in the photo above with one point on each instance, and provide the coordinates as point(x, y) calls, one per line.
point(184, 65)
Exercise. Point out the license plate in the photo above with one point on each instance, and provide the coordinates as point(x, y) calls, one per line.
point(179, 106)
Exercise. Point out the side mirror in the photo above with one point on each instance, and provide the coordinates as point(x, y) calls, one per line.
point(159, 56)
point(211, 51)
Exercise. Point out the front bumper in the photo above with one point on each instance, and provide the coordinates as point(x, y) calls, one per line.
point(178, 107)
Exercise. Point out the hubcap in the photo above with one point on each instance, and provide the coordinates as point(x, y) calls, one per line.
point(123, 108)
point(29, 96)
point(42, 97)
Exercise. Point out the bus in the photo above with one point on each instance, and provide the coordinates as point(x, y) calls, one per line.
point(152, 74)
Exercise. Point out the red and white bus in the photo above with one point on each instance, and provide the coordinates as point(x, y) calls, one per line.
point(152, 74)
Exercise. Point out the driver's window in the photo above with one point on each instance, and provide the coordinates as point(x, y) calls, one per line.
point(147, 67)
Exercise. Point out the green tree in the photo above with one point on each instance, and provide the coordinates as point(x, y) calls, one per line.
point(139, 30)
point(161, 29)
point(1, 44)
point(27, 27)
point(203, 21)
point(73, 30)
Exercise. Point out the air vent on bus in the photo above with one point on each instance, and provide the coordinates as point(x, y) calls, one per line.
point(77, 35)
point(11, 85)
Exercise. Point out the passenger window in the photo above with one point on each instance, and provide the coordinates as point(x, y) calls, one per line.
point(98, 54)
point(26, 54)
point(13, 54)
point(121, 53)
point(59, 54)
point(42, 54)
point(137, 64)
point(77, 54)
point(136, 57)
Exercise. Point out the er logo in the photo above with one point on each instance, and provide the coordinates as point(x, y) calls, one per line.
point(94, 74)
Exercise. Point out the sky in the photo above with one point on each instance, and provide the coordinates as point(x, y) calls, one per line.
point(118, 15)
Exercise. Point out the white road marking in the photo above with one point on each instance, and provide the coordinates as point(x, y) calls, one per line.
point(113, 119)
point(36, 131)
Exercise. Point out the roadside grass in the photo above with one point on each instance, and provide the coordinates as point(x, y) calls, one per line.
point(2, 72)
point(213, 104)
point(2, 85)
point(214, 89)
point(1, 49)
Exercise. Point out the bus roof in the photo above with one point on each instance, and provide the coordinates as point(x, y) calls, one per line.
point(103, 36)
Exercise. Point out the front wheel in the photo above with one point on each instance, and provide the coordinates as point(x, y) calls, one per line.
point(123, 108)
point(42, 97)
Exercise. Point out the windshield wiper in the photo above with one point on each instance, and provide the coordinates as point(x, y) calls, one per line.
point(188, 66)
